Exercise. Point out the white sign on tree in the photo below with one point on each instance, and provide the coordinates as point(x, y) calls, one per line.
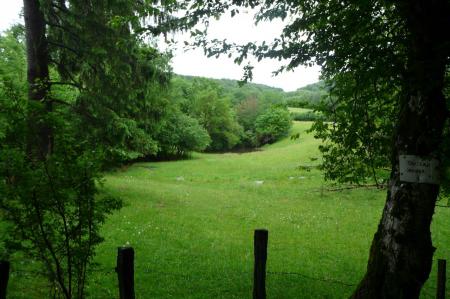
point(416, 169)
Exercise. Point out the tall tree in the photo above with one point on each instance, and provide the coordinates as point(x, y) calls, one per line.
point(400, 44)
point(85, 61)
point(401, 254)
point(212, 108)
point(40, 136)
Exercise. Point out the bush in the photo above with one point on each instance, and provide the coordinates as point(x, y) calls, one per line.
point(181, 134)
point(273, 124)
point(54, 211)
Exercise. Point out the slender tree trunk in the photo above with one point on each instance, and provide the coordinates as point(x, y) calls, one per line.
point(39, 141)
point(401, 254)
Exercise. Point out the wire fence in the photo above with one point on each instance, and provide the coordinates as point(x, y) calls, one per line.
point(139, 270)
point(429, 291)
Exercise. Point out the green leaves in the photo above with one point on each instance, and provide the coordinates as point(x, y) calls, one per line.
point(213, 111)
point(181, 134)
point(53, 207)
point(358, 130)
point(107, 97)
point(361, 49)
point(273, 124)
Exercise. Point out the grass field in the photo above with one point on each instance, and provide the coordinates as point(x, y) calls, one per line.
point(191, 223)
point(299, 110)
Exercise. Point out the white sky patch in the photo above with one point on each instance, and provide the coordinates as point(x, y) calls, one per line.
point(9, 13)
point(240, 29)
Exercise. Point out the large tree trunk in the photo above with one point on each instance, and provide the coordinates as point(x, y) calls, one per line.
point(401, 253)
point(39, 143)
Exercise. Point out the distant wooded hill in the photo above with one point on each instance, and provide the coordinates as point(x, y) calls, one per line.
point(308, 96)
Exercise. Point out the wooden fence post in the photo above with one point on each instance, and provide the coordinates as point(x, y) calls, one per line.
point(260, 251)
point(4, 277)
point(440, 291)
point(125, 272)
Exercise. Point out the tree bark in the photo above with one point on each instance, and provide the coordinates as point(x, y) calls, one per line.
point(39, 143)
point(401, 254)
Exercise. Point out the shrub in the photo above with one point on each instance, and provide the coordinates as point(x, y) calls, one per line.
point(273, 124)
point(181, 134)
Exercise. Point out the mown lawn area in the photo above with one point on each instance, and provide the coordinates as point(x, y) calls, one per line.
point(299, 110)
point(191, 224)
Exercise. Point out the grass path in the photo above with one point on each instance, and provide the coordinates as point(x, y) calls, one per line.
point(299, 110)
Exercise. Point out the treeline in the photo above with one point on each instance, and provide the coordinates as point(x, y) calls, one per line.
point(250, 100)
point(234, 117)
point(309, 96)
point(158, 114)
point(311, 100)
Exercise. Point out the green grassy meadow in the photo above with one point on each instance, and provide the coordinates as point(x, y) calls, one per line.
point(191, 224)
point(299, 110)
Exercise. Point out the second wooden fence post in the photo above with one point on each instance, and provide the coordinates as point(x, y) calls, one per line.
point(259, 276)
point(125, 272)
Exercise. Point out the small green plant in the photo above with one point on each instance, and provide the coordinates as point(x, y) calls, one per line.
point(295, 136)
point(54, 212)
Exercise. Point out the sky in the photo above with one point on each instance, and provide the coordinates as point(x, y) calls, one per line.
point(239, 29)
